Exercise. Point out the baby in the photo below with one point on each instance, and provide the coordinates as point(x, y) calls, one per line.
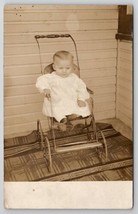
point(65, 93)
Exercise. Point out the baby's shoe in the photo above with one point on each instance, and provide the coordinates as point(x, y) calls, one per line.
point(63, 125)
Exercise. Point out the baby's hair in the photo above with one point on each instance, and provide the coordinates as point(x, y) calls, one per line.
point(63, 55)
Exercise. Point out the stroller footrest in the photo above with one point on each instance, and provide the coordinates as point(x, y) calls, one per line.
point(78, 146)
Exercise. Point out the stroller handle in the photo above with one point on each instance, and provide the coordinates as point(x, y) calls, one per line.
point(56, 36)
point(52, 36)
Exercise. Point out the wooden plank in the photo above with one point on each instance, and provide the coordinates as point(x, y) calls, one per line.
point(105, 115)
point(28, 38)
point(55, 45)
point(22, 129)
point(104, 98)
point(99, 81)
point(17, 129)
point(105, 106)
point(123, 92)
point(17, 92)
point(31, 89)
point(58, 15)
point(124, 119)
point(20, 90)
point(30, 108)
point(20, 80)
point(125, 84)
point(24, 118)
point(122, 69)
point(22, 109)
point(123, 74)
point(23, 99)
point(59, 26)
point(125, 50)
point(30, 117)
point(11, 52)
point(104, 89)
point(24, 70)
point(37, 107)
point(95, 72)
point(126, 56)
point(101, 72)
point(127, 101)
point(31, 58)
point(31, 79)
point(37, 98)
point(64, 7)
point(125, 109)
point(47, 49)
point(89, 64)
point(98, 63)
point(125, 64)
point(125, 45)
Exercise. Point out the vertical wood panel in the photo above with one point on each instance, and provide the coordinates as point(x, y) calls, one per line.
point(92, 27)
point(124, 83)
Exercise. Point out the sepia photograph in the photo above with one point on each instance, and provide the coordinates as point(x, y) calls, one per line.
point(68, 93)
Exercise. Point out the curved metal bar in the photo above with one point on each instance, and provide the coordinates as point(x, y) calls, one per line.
point(76, 52)
point(105, 145)
point(49, 153)
point(56, 36)
point(39, 55)
point(51, 36)
point(45, 145)
point(41, 135)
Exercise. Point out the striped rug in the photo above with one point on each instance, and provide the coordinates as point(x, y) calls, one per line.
point(24, 160)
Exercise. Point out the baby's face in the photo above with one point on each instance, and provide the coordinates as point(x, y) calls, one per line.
point(63, 67)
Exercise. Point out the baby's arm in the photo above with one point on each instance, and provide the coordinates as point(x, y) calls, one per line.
point(42, 84)
point(83, 94)
point(47, 93)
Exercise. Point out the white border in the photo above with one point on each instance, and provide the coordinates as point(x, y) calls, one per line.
point(135, 4)
point(69, 195)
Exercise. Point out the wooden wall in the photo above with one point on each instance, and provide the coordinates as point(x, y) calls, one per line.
point(124, 82)
point(93, 28)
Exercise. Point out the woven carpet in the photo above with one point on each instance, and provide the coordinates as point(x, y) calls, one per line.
point(24, 160)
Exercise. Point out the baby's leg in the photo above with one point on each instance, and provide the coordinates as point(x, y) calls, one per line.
point(63, 124)
point(72, 116)
point(64, 120)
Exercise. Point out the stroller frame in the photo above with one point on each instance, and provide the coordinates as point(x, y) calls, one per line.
point(92, 132)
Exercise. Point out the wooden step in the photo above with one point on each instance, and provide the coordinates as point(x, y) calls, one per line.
point(78, 146)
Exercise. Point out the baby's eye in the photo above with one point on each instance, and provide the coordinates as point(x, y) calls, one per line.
point(68, 68)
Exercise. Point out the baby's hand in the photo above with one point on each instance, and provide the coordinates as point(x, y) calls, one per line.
point(47, 93)
point(81, 103)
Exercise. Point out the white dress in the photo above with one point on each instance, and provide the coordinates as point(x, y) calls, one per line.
point(64, 95)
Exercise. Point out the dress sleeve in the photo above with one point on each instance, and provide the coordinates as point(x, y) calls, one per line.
point(43, 82)
point(82, 90)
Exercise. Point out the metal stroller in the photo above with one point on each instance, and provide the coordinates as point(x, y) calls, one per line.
point(50, 141)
